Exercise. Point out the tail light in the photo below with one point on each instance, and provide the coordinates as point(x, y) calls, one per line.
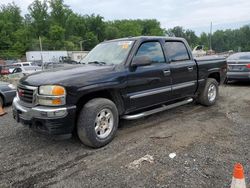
point(248, 66)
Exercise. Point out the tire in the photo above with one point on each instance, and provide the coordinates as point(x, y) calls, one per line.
point(210, 87)
point(95, 128)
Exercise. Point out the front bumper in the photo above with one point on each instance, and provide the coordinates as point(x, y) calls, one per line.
point(49, 120)
point(238, 75)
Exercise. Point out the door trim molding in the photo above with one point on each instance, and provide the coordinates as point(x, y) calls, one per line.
point(183, 85)
point(150, 92)
point(161, 90)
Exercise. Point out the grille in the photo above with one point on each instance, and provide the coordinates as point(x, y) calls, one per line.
point(26, 93)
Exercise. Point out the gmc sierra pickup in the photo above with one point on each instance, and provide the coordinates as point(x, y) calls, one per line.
point(125, 78)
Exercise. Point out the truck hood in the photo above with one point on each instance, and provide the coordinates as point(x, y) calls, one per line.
point(67, 76)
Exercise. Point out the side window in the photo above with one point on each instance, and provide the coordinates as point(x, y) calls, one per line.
point(176, 51)
point(153, 50)
point(18, 70)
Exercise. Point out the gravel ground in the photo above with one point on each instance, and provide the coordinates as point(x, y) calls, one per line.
point(207, 143)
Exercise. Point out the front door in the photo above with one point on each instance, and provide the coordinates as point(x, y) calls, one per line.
point(150, 84)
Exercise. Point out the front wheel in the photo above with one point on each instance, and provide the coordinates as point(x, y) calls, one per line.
point(97, 122)
point(210, 93)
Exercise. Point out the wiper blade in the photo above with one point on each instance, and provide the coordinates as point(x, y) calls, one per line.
point(97, 62)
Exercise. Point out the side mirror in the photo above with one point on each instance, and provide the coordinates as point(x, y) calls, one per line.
point(141, 61)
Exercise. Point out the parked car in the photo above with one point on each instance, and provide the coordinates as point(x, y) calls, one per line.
point(238, 66)
point(125, 78)
point(7, 93)
point(11, 68)
point(26, 70)
point(4, 70)
point(24, 64)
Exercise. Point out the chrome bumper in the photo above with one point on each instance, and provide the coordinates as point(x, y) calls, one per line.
point(41, 112)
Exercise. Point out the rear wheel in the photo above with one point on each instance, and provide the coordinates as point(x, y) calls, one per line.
point(210, 93)
point(97, 122)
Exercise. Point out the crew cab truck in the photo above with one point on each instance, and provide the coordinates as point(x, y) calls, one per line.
point(124, 78)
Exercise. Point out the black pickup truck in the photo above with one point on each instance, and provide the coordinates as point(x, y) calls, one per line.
point(125, 78)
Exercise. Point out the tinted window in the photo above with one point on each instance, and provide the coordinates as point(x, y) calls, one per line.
point(153, 50)
point(176, 51)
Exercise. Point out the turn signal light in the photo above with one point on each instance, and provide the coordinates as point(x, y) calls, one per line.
point(248, 66)
point(58, 90)
point(56, 101)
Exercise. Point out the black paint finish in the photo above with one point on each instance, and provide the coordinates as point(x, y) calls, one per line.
point(135, 88)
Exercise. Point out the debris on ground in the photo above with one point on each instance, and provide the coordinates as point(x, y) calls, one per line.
point(172, 155)
point(137, 163)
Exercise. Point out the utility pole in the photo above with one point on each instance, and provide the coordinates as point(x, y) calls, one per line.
point(210, 39)
point(82, 42)
point(41, 49)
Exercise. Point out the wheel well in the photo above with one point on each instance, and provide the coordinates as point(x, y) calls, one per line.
point(216, 76)
point(108, 94)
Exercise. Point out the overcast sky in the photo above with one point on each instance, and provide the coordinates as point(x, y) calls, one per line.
point(191, 14)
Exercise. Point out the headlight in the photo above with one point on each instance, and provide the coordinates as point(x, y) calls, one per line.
point(11, 86)
point(52, 90)
point(51, 95)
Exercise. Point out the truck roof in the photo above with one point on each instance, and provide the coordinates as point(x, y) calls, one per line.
point(148, 38)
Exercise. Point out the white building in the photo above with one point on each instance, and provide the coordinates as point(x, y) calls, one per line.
point(46, 56)
point(55, 56)
point(77, 55)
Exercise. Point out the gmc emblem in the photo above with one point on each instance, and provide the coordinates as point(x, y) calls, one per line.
point(20, 92)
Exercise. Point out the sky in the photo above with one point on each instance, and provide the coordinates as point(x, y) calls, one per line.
point(190, 14)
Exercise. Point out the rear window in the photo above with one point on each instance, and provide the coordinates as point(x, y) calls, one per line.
point(176, 51)
point(240, 56)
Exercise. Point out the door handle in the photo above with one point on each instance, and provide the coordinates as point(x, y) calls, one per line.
point(166, 72)
point(190, 69)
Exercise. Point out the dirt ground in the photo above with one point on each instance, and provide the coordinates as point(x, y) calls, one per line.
point(207, 143)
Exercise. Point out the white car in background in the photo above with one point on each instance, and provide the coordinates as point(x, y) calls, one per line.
point(25, 70)
point(24, 64)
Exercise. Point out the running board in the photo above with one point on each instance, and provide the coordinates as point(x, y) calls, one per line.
point(160, 109)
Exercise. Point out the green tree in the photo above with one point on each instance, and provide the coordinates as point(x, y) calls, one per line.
point(10, 22)
point(96, 25)
point(151, 27)
point(57, 37)
point(38, 12)
point(59, 12)
point(191, 38)
point(90, 40)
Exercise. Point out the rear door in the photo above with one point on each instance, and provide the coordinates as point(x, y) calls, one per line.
point(183, 69)
point(151, 84)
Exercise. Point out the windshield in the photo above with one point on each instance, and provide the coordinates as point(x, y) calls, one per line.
point(240, 56)
point(109, 53)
